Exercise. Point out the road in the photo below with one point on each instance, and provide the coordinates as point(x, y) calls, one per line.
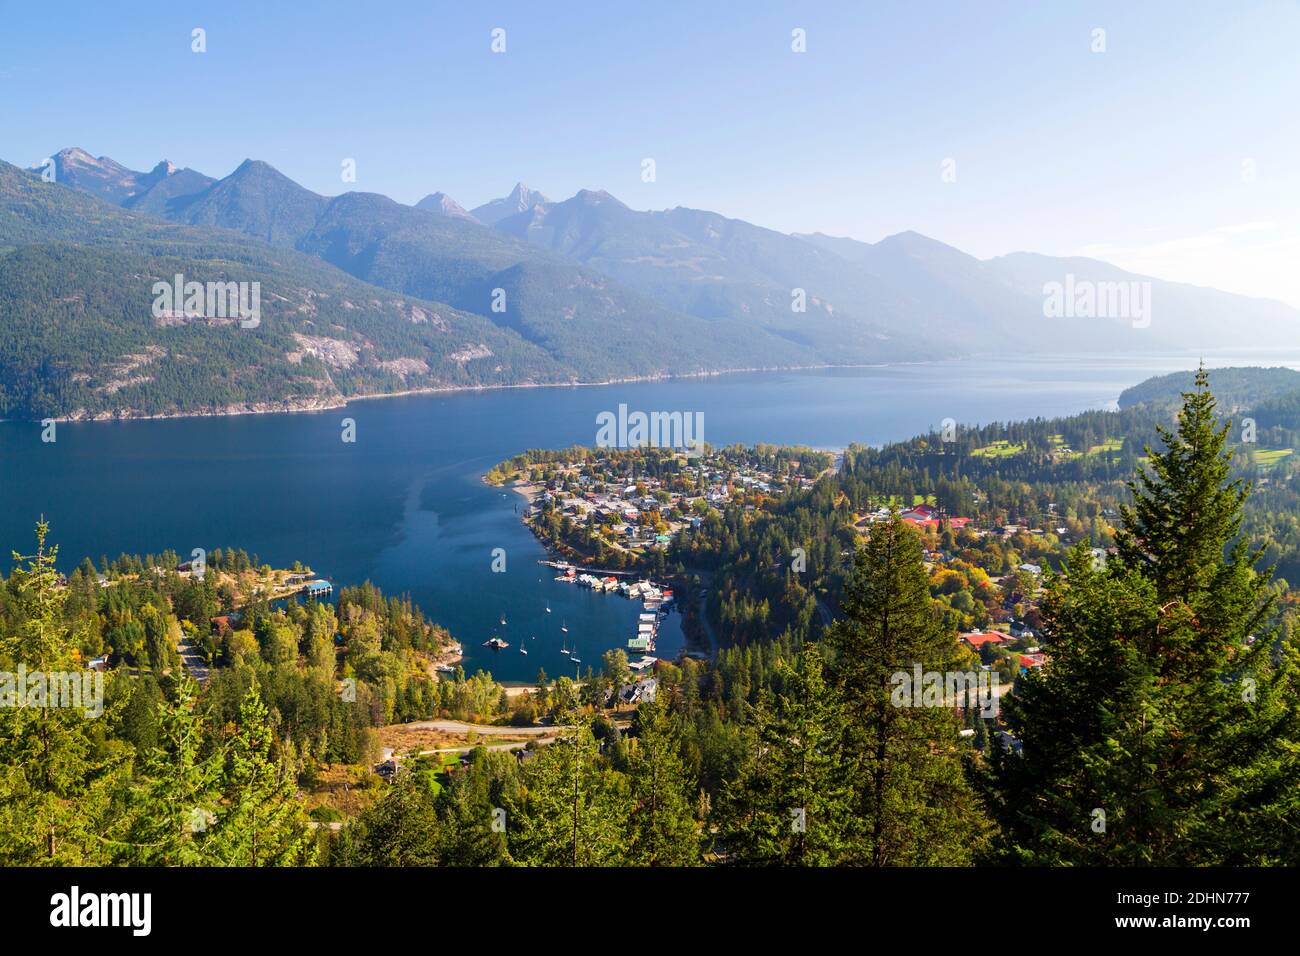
point(193, 661)
point(516, 745)
point(488, 730)
point(541, 736)
point(517, 690)
point(824, 613)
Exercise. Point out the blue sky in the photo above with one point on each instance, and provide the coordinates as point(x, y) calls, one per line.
point(1175, 152)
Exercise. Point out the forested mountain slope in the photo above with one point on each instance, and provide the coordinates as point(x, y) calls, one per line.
point(81, 337)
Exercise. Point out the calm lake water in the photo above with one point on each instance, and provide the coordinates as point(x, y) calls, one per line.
point(404, 505)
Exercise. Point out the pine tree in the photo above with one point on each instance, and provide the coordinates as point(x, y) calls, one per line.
point(474, 833)
point(1185, 511)
point(57, 781)
point(402, 829)
point(663, 827)
point(262, 823)
point(572, 812)
point(911, 801)
point(1165, 729)
point(790, 804)
point(178, 796)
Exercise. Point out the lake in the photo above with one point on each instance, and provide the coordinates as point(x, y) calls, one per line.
point(404, 506)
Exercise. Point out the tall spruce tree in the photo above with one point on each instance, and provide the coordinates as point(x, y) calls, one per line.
point(1165, 728)
point(573, 811)
point(911, 801)
point(663, 827)
point(1185, 510)
point(472, 833)
point(262, 823)
point(176, 799)
point(402, 829)
point(58, 775)
point(790, 806)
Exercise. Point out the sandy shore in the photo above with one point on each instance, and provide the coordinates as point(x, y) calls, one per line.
point(530, 491)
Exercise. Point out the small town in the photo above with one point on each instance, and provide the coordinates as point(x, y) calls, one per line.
point(631, 508)
point(639, 502)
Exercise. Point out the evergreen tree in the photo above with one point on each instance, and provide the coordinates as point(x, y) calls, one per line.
point(139, 721)
point(263, 823)
point(663, 827)
point(402, 829)
point(172, 809)
point(911, 802)
point(1165, 729)
point(1185, 511)
point(57, 778)
point(474, 833)
point(790, 803)
point(572, 811)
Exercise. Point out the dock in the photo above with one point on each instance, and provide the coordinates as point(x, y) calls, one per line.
point(317, 589)
point(567, 566)
point(647, 630)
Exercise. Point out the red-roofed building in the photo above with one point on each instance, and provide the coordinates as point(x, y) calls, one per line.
point(1032, 660)
point(928, 521)
point(979, 640)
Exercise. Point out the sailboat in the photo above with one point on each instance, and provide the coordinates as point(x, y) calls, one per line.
point(548, 609)
point(563, 650)
point(503, 620)
point(564, 627)
point(522, 649)
point(573, 653)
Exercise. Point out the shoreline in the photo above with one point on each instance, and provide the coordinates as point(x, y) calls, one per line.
point(292, 406)
point(531, 492)
point(519, 486)
point(306, 406)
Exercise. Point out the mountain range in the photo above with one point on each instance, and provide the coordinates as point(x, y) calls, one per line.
point(526, 290)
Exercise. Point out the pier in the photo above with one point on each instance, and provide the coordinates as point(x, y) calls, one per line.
point(565, 566)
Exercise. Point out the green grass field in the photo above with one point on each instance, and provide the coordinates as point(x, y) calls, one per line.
point(1268, 458)
point(999, 449)
point(897, 501)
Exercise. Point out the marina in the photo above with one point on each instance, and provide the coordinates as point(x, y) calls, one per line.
point(655, 600)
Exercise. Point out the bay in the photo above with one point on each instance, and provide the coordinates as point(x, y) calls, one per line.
point(404, 505)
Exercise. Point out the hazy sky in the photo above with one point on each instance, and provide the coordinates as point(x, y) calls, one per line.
point(1175, 152)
